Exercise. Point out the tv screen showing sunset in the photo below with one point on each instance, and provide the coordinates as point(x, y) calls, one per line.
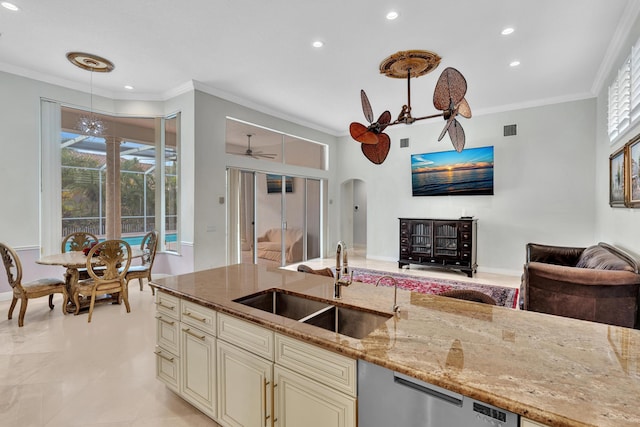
point(469, 172)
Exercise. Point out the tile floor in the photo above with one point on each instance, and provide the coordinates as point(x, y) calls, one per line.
point(62, 371)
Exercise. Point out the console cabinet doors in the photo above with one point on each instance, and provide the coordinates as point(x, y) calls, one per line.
point(244, 387)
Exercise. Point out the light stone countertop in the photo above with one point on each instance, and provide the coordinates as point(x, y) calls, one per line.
point(554, 370)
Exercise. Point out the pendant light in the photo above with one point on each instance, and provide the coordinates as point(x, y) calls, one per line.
point(90, 124)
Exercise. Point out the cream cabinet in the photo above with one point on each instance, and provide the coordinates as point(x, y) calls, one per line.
point(302, 401)
point(198, 356)
point(244, 375)
point(244, 387)
point(528, 423)
point(168, 340)
point(312, 386)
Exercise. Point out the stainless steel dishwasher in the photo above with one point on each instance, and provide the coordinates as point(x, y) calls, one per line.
point(390, 399)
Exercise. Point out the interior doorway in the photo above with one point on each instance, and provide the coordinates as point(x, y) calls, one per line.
point(354, 216)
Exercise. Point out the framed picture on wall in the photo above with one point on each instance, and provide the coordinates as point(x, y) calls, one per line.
point(617, 178)
point(633, 174)
point(274, 184)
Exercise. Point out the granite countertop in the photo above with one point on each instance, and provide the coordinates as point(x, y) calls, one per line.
point(554, 370)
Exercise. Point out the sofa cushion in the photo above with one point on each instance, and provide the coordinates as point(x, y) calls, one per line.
point(598, 257)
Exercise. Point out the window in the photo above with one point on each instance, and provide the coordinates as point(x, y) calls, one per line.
point(123, 184)
point(245, 139)
point(624, 95)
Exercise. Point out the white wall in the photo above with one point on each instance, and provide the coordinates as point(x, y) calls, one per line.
point(619, 226)
point(211, 162)
point(543, 183)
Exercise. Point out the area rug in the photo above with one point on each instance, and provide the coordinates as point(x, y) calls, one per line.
point(506, 297)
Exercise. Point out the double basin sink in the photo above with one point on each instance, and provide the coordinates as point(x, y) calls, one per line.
point(351, 321)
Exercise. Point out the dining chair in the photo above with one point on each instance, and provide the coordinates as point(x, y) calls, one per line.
point(25, 291)
point(78, 241)
point(107, 276)
point(148, 246)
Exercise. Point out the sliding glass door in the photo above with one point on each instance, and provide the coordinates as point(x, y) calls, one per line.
point(273, 219)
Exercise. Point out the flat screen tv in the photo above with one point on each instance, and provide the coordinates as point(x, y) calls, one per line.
point(449, 173)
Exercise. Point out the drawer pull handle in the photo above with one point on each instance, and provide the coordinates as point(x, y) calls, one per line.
point(169, 307)
point(159, 353)
point(264, 401)
point(162, 319)
point(193, 334)
point(193, 316)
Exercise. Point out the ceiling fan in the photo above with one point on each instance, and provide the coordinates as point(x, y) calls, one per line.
point(448, 97)
point(256, 154)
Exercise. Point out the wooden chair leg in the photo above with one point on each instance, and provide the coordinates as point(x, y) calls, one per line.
point(76, 301)
point(13, 305)
point(23, 310)
point(93, 302)
point(140, 280)
point(51, 302)
point(125, 297)
point(65, 301)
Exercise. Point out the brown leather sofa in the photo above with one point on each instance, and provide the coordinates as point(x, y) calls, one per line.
point(599, 283)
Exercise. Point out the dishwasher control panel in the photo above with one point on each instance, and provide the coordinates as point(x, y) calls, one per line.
point(489, 412)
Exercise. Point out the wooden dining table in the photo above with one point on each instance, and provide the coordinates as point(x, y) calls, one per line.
point(73, 261)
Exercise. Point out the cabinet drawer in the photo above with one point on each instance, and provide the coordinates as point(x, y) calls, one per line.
point(465, 226)
point(321, 365)
point(167, 368)
point(198, 316)
point(168, 333)
point(466, 246)
point(246, 335)
point(465, 235)
point(168, 304)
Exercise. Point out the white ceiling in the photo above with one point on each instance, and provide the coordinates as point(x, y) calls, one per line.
point(260, 51)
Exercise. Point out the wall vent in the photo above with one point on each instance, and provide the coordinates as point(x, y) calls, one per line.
point(510, 130)
point(404, 142)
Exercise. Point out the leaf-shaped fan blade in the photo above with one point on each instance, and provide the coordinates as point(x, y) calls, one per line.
point(366, 106)
point(383, 121)
point(463, 109)
point(377, 153)
point(362, 134)
point(456, 133)
point(446, 126)
point(451, 87)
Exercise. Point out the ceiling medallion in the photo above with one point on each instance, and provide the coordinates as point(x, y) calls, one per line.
point(418, 62)
point(90, 125)
point(448, 97)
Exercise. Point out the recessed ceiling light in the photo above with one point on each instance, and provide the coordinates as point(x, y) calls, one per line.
point(392, 15)
point(507, 31)
point(128, 87)
point(317, 43)
point(10, 6)
point(514, 63)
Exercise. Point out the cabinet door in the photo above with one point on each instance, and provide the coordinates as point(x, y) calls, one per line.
point(301, 401)
point(445, 236)
point(198, 369)
point(244, 387)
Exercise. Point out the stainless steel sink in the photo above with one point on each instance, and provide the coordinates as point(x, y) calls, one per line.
point(351, 321)
point(284, 304)
point(348, 321)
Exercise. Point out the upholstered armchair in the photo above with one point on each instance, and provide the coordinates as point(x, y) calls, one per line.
point(599, 283)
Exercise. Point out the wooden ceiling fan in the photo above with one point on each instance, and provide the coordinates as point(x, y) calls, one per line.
point(448, 97)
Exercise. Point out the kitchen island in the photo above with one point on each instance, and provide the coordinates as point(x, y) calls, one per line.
point(556, 371)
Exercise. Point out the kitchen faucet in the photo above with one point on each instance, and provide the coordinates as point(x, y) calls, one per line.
point(395, 291)
point(341, 268)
